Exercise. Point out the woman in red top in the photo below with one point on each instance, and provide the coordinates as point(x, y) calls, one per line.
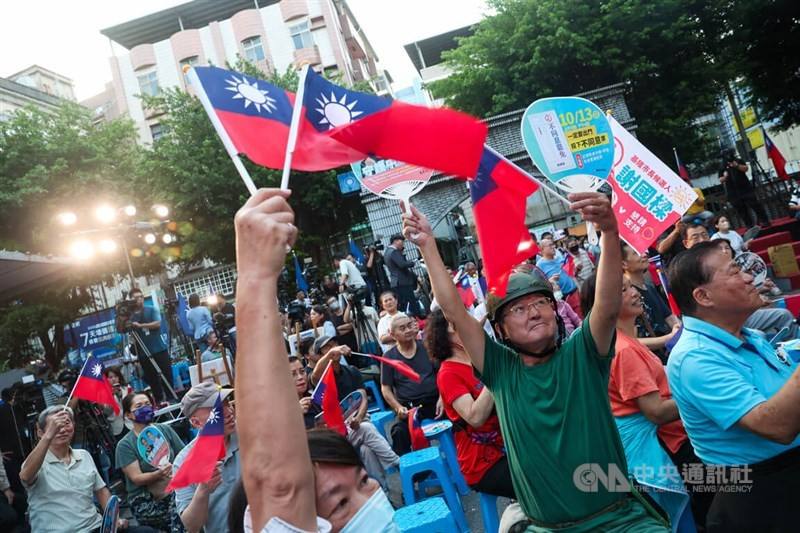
point(470, 406)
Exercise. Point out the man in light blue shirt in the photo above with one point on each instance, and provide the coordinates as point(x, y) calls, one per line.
point(200, 319)
point(739, 400)
point(205, 505)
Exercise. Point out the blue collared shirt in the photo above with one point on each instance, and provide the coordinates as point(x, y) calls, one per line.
point(716, 379)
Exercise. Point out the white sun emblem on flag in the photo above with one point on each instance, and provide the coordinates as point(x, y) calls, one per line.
point(251, 94)
point(96, 370)
point(212, 417)
point(336, 112)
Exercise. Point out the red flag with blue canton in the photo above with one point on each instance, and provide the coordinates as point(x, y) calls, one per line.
point(499, 195)
point(418, 440)
point(437, 138)
point(207, 450)
point(775, 155)
point(326, 395)
point(683, 172)
point(465, 291)
point(93, 386)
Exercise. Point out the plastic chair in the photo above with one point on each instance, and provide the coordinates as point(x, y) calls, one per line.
point(442, 430)
point(379, 419)
point(491, 520)
point(427, 516)
point(430, 460)
point(377, 404)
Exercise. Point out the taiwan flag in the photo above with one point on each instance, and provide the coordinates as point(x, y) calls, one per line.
point(415, 431)
point(93, 386)
point(399, 366)
point(465, 291)
point(207, 449)
point(776, 157)
point(326, 395)
point(338, 126)
point(499, 195)
point(683, 172)
point(437, 138)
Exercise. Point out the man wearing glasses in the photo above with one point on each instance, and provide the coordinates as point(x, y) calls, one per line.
point(566, 459)
point(400, 392)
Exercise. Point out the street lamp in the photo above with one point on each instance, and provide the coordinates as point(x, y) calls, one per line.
point(168, 238)
point(150, 238)
point(67, 218)
point(161, 211)
point(105, 214)
point(129, 210)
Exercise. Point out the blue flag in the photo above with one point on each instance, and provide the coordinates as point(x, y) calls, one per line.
point(299, 279)
point(356, 251)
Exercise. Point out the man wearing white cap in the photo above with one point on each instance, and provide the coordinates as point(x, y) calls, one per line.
point(205, 505)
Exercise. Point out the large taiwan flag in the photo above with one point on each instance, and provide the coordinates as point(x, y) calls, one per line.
point(93, 386)
point(337, 126)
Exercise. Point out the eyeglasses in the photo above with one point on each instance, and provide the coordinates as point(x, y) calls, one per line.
point(520, 310)
point(407, 326)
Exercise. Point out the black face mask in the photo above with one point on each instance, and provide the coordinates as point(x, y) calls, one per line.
point(574, 249)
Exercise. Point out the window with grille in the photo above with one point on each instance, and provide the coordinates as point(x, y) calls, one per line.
point(301, 35)
point(253, 50)
point(148, 82)
point(207, 283)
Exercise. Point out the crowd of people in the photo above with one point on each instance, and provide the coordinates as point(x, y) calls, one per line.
point(580, 394)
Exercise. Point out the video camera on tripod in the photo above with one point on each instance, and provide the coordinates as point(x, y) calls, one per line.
point(123, 312)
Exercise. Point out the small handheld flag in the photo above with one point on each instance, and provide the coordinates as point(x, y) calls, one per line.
point(400, 366)
point(199, 465)
point(465, 291)
point(683, 172)
point(775, 155)
point(326, 395)
point(299, 278)
point(418, 440)
point(93, 386)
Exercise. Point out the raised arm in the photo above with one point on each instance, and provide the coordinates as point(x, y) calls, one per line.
point(33, 463)
point(417, 229)
point(596, 207)
point(276, 466)
point(675, 235)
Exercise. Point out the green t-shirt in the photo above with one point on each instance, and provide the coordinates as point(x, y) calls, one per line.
point(555, 417)
point(127, 453)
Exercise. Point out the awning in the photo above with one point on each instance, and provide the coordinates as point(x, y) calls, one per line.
point(21, 273)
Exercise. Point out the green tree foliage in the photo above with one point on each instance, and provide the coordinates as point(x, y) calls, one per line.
point(50, 162)
point(673, 53)
point(190, 168)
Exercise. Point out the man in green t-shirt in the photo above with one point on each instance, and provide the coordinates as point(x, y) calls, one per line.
point(566, 459)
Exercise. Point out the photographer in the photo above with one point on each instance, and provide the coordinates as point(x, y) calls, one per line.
point(365, 324)
point(402, 278)
point(146, 326)
point(376, 269)
point(740, 191)
point(224, 323)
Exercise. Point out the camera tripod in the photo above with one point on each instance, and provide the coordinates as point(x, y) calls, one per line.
point(366, 333)
point(140, 345)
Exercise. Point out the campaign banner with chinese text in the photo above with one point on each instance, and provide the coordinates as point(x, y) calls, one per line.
point(648, 197)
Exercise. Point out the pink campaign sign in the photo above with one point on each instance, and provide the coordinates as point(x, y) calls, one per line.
point(648, 197)
point(383, 181)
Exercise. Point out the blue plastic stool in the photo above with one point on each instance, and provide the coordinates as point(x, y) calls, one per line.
point(379, 419)
point(442, 430)
point(427, 516)
point(430, 460)
point(377, 404)
point(491, 521)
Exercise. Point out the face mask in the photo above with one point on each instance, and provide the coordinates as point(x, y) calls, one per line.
point(574, 249)
point(144, 414)
point(374, 516)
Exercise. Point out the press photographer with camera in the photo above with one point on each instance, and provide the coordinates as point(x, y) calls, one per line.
point(376, 269)
point(402, 278)
point(145, 324)
point(739, 190)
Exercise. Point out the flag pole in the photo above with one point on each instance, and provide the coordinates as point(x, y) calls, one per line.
point(529, 176)
point(295, 126)
point(223, 135)
point(321, 378)
point(677, 161)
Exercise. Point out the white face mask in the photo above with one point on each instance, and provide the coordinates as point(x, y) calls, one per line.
point(374, 516)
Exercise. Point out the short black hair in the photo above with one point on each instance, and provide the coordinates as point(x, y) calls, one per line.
point(135, 290)
point(687, 271)
point(194, 300)
point(338, 256)
point(687, 227)
point(327, 446)
point(396, 237)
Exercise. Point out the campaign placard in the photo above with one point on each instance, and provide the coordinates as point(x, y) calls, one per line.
point(648, 197)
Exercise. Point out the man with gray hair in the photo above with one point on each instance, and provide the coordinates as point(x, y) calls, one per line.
point(205, 505)
point(400, 392)
point(63, 482)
